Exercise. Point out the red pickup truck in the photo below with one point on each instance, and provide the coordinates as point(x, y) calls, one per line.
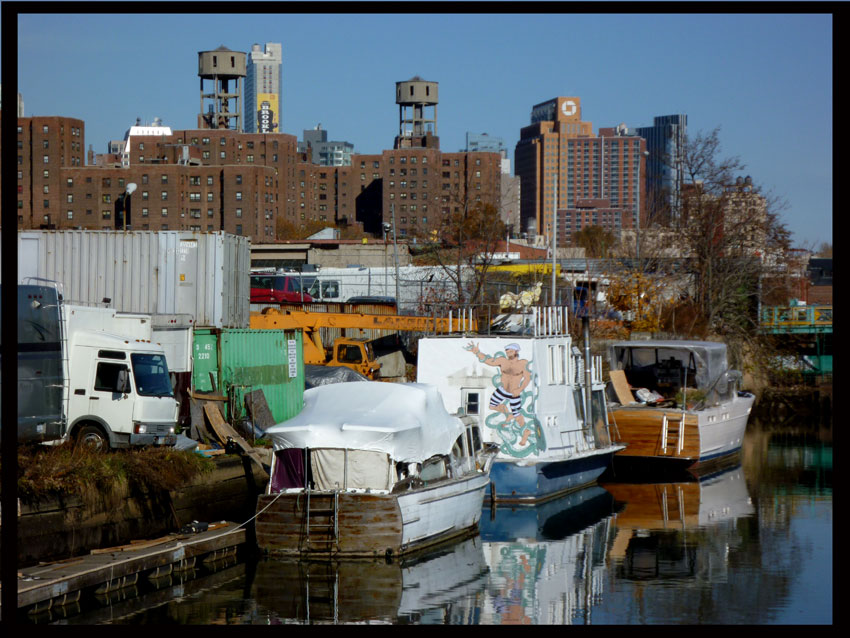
point(270, 288)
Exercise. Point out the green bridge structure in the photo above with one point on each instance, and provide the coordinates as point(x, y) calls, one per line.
point(812, 328)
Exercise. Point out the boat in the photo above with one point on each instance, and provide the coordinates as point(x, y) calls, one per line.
point(676, 400)
point(372, 469)
point(529, 389)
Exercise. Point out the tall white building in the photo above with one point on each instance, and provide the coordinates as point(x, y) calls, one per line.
point(263, 89)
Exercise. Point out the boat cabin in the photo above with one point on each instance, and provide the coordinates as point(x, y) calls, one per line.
point(671, 369)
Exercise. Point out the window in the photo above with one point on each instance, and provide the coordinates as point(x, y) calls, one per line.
point(106, 378)
point(144, 212)
point(165, 212)
point(238, 229)
point(164, 195)
point(164, 179)
point(44, 128)
point(238, 179)
point(47, 159)
point(222, 155)
point(238, 196)
point(195, 180)
point(106, 214)
point(70, 214)
point(144, 194)
point(209, 197)
point(239, 212)
point(70, 198)
point(222, 142)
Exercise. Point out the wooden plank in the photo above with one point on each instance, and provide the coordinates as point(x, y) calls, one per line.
point(198, 428)
point(258, 407)
point(225, 432)
point(621, 387)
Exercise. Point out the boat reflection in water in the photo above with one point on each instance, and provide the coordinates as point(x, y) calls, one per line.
point(442, 586)
point(546, 561)
point(680, 528)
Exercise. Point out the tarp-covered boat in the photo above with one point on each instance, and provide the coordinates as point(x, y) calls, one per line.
point(372, 469)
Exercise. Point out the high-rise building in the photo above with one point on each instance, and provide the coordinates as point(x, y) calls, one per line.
point(664, 177)
point(263, 89)
point(570, 179)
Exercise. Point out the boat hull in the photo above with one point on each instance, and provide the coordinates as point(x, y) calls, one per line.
point(707, 435)
point(540, 481)
point(370, 524)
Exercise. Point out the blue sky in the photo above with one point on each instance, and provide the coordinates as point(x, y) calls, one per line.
point(764, 79)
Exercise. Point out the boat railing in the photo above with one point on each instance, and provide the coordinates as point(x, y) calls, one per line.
point(549, 321)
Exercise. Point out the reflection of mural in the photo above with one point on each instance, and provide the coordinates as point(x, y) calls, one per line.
point(513, 402)
point(516, 574)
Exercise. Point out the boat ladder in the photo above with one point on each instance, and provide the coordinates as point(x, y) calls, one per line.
point(321, 584)
point(668, 435)
point(322, 519)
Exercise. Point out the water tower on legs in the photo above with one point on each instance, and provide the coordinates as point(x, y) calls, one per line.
point(221, 100)
point(417, 114)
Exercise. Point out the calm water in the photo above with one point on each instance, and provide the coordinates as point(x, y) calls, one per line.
point(749, 545)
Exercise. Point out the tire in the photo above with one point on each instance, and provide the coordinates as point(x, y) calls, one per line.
point(92, 437)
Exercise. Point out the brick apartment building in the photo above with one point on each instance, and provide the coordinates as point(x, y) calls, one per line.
point(242, 183)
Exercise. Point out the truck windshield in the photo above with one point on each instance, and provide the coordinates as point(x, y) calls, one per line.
point(151, 374)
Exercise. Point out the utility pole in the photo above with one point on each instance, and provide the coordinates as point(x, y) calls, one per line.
point(395, 256)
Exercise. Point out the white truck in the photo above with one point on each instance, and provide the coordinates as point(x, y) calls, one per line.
point(119, 393)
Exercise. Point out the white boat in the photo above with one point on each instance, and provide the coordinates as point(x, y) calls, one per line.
point(527, 391)
point(692, 410)
point(372, 469)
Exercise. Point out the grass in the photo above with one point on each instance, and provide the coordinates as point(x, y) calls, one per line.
point(67, 470)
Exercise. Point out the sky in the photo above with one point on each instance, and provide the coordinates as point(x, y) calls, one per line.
point(765, 80)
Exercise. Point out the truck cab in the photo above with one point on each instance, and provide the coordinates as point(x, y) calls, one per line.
point(356, 354)
point(119, 391)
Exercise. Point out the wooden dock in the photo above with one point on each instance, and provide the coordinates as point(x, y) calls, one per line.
point(102, 571)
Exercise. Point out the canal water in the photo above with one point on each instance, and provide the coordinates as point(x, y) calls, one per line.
point(748, 544)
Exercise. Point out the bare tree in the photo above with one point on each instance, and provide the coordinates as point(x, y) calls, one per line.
point(732, 235)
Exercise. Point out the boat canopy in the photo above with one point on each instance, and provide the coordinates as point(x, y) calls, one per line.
point(406, 421)
point(709, 357)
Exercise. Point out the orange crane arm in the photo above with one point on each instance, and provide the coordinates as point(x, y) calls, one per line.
point(275, 320)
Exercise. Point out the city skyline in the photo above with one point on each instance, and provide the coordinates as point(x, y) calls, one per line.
point(765, 80)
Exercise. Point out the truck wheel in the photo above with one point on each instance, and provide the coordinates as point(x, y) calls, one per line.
point(93, 437)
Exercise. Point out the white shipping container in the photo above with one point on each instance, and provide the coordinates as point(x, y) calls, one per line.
point(204, 275)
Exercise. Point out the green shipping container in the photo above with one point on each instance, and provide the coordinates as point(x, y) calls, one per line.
point(235, 362)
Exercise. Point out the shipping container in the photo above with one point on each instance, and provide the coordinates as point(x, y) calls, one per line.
point(204, 275)
point(233, 363)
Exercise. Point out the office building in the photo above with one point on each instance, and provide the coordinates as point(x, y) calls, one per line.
point(263, 84)
point(664, 176)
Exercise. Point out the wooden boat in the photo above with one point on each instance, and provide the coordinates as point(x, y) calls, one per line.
point(529, 389)
point(693, 413)
point(372, 469)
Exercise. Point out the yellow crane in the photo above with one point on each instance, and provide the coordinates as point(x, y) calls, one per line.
point(351, 352)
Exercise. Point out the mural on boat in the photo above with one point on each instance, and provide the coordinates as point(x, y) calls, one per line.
point(513, 401)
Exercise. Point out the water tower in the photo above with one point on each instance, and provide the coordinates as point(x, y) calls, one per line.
point(417, 125)
point(225, 69)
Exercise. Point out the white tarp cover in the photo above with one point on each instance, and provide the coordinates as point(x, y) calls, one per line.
point(350, 469)
point(407, 421)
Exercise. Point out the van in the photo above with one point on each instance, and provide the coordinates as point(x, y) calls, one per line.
point(277, 287)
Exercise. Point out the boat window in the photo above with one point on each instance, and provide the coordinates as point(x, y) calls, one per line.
point(473, 438)
point(472, 402)
point(433, 468)
point(557, 357)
